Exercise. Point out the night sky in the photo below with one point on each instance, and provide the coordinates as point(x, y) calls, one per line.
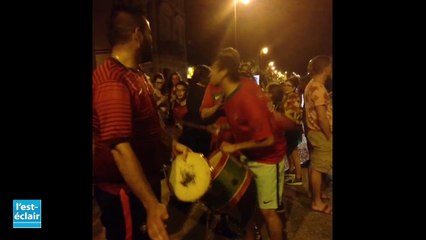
point(294, 30)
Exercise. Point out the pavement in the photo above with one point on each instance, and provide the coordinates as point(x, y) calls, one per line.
point(301, 223)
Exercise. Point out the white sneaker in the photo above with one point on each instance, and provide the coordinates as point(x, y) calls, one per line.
point(294, 182)
point(289, 177)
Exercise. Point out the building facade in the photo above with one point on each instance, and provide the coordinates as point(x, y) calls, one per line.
point(167, 20)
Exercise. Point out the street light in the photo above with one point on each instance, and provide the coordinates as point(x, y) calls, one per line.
point(263, 51)
point(235, 18)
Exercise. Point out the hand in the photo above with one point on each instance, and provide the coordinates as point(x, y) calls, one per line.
point(214, 129)
point(157, 92)
point(163, 109)
point(179, 148)
point(228, 148)
point(271, 106)
point(220, 99)
point(155, 216)
point(218, 106)
point(179, 125)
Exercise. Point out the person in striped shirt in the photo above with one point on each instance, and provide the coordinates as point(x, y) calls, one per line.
point(131, 144)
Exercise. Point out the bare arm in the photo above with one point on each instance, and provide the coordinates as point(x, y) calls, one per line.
point(284, 123)
point(208, 112)
point(133, 173)
point(323, 122)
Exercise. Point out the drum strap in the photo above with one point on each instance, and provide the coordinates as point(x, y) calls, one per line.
point(278, 183)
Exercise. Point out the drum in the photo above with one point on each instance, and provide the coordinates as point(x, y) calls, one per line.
point(230, 180)
point(190, 179)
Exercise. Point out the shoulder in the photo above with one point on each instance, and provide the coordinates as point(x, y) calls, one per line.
point(313, 87)
point(109, 71)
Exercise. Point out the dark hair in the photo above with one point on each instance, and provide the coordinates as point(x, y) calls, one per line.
point(303, 81)
point(157, 75)
point(317, 64)
point(294, 81)
point(175, 73)
point(229, 59)
point(277, 93)
point(160, 75)
point(228, 63)
point(122, 23)
point(201, 74)
point(182, 83)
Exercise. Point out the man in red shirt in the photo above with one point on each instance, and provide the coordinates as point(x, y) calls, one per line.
point(253, 128)
point(130, 142)
point(211, 109)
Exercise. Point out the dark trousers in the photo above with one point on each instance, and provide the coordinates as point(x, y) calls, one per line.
point(122, 215)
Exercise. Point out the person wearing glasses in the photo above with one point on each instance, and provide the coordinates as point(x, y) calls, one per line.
point(160, 95)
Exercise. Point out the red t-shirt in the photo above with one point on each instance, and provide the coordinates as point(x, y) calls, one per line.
point(212, 96)
point(223, 136)
point(124, 110)
point(215, 95)
point(249, 118)
point(179, 112)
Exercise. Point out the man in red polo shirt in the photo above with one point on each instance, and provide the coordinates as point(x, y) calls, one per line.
point(130, 143)
point(253, 128)
point(211, 109)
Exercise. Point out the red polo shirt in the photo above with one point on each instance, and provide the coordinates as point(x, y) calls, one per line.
point(124, 110)
point(249, 118)
point(179, 112)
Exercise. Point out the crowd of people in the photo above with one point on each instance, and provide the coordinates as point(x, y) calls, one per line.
point(141, 123)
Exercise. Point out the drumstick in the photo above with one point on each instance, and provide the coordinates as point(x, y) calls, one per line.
point(194, 125)
point(208, 128)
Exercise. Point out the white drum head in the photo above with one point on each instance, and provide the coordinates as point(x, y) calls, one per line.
point(190, 179)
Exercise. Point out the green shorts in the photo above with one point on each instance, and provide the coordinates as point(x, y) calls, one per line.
point(269, 183)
